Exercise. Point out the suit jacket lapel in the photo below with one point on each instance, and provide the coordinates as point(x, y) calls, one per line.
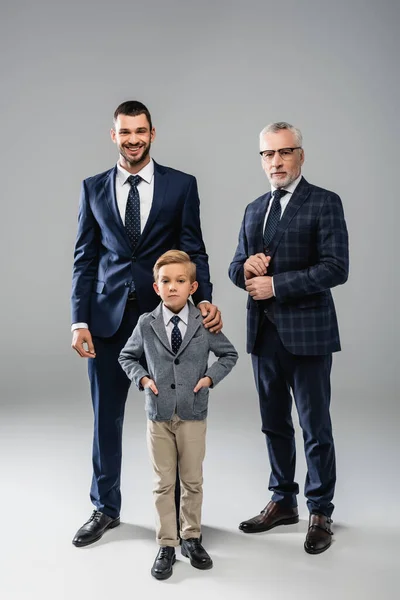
point(298, 198)
point(160, 188)
point(158, 327)
point(257, 224)
point(194, 322)
point(111, 199)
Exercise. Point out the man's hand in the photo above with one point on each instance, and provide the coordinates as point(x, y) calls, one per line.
point(260, 288)
point(256, 265)
point(81, 337)
point(212, 320)
point(146, 382)
point(203, 382)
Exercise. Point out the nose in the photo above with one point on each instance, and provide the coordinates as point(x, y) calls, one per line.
point(172, 286)
point(133, 138)
point(277, 160)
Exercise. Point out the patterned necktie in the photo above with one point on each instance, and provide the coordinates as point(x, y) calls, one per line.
point(132, 213)
point(176, 337)
point(273, 217)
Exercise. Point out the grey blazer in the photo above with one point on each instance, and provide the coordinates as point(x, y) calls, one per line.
point(176, 375)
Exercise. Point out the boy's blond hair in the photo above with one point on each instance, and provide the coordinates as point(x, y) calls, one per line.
point(172, 257)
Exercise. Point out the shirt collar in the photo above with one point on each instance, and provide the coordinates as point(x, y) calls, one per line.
point(289, 188)
point(168, 314)
point(147, 173)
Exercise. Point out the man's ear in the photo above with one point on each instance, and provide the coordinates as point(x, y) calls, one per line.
point(193, 287)
point(155, 288)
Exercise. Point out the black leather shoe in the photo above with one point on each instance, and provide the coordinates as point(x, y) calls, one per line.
point(162, 567)
point(274, 514)
point(193, 550)
point(93, 529)
point(319, 534)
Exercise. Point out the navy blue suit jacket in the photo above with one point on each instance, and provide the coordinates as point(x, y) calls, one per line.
point(104, 263)
point(309, 255)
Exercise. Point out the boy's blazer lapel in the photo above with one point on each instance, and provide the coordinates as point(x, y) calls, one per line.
point(194, 322)
point(159, 328)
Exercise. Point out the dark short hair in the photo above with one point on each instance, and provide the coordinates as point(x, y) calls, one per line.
point(133, 108)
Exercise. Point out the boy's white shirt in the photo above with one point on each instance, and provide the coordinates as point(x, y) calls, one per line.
point(183, 315)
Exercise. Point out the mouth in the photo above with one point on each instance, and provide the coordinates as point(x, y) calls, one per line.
point(134, 149)
point(278, 174)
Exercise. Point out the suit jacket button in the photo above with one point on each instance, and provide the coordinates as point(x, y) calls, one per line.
point(133, 258)
point(126, 284)
point(176, 361)
point(173, 386)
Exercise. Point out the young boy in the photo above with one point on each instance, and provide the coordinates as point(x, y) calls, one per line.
point(176, 347)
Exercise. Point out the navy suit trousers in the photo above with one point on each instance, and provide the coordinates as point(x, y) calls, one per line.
point(277, 372)
point(109, 388)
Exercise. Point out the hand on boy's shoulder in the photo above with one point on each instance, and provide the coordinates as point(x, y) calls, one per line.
point(211, 316)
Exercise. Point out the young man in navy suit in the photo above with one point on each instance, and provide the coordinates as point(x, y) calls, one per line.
point(128, 216)
point(293, 247)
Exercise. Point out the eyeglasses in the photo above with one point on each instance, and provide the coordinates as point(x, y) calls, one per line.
point(284, 153)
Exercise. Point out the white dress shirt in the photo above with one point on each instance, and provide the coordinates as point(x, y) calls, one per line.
point(145, 189)
point(284, 202)
point(285, 199)
point(182, 325)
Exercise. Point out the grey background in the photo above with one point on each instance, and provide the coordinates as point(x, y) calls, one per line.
point(212, 73)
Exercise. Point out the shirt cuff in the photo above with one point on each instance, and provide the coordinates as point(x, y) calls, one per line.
point(272, 283)
point(79, 326)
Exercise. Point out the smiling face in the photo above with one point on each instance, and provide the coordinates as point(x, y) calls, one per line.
point(281, 172)
point(133, 137)
point(174, 287)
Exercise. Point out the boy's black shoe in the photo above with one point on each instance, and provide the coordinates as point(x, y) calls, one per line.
point(162, 567)
point(94, 528)
point(193, 550)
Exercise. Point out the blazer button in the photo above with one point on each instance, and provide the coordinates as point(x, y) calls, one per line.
point(173, 386)
point(127, 284)
point(133, 258)
point(176, 361)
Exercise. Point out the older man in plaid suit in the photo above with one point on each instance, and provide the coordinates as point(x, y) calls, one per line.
point(293, 247)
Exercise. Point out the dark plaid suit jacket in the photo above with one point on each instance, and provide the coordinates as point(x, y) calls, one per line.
point(309, 255)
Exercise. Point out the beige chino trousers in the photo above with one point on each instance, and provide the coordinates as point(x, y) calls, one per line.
point(177, 443)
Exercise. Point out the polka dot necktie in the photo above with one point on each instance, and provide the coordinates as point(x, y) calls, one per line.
point(274, 217)
point(176, 336)
point(132, 212)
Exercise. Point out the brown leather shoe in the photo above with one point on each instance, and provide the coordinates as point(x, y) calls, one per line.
point(274, 514)
point(319, 534)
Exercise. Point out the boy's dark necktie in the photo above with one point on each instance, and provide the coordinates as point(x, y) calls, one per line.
point(273, 217)
point(132, 212)
point(176, 336)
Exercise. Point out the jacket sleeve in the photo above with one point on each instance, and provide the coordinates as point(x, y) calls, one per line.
point(191, 241)
point(332, 266)
point(131, 354)
point(236, 272)
point(227, 357)
point(85, 260)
